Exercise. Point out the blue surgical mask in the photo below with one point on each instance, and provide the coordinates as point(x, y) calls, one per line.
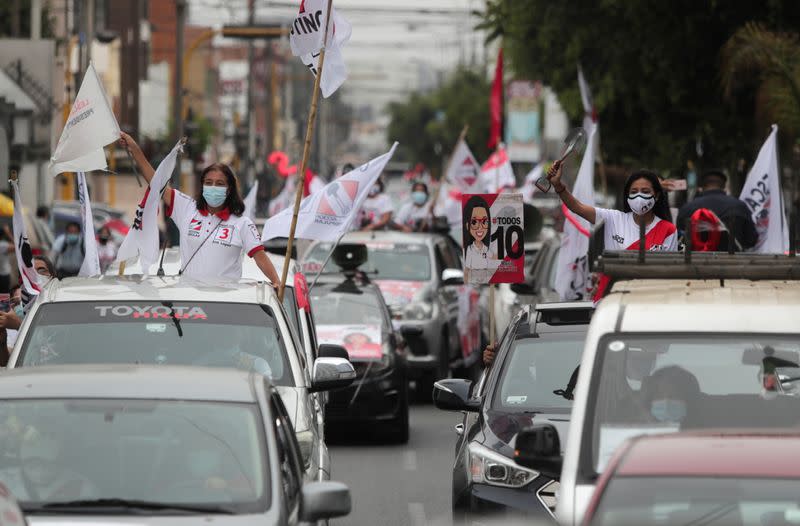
point(19, 311)
point(215, 195)
point(375, 190)
point(419, 198)
point(668, 410)
point(72, 238)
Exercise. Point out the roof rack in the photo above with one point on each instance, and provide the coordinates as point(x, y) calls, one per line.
point(642, 264)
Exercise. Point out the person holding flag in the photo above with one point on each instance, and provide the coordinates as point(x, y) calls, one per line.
point(214, 233)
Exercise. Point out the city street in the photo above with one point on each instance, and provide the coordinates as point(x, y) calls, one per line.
point(399, 484)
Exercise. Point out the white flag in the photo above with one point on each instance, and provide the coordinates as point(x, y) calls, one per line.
point(90, 126)
point(327, 214)
point(334, 71)
point(250, 202)
point(23, 251)
point(589, 112)
point(572, 273)
point(142, 238)
point(496, 172)
point(308, 28)
point(91, 261)
point(763, 196)
point(464, 170)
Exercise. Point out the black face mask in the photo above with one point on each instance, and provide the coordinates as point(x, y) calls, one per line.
point(103, 239)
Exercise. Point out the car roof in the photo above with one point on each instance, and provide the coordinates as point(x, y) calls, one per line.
point(388, 236)
point(332, 279)
point(730, 453)
point(544, 317)
point(170, 288)
point(122, 381)
point(680, 305)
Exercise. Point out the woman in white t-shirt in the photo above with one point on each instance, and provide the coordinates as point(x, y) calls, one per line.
point(645, 201)
point(480, 262)
point(414, 213)
point(376, 212)
point(214, 233)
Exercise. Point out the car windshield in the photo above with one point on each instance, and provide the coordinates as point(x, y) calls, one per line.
point(644, 501)
point(395, 261)
point(660, 384)
point(537, 371)
point(204, 454)
point(207, 334)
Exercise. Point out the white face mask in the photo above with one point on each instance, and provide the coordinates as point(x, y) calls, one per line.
point(641, 203)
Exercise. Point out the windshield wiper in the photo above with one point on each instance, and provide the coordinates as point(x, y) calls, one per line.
point(174, 318)
point(145, 505)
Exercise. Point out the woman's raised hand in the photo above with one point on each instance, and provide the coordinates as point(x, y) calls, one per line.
point(127, 142)
point(554, 176)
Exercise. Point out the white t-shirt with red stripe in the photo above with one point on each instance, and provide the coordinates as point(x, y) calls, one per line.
point(212, 245)
point(622, 232)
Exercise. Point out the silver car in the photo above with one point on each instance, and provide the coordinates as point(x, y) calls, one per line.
point(91, 444)
point(421, 278)
point(169, 321)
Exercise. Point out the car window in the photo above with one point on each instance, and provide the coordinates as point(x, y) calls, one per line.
point(199, 453)
point(209, 334)
point(288, 453)
point(386, 261)
point(290, 306)
point(536, 370)
point(657, 384)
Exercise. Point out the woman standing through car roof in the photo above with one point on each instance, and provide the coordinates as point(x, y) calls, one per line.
point(214, 233)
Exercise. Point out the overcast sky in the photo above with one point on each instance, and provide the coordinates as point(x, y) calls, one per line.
point(393, 44)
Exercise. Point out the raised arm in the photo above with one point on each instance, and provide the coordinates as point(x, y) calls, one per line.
point(145, 168)
point(582, 209)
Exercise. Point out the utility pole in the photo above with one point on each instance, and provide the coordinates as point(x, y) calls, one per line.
point(177, 103)
point(251, 106)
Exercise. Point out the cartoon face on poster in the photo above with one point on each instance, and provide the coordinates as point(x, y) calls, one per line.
point(363, 342)
point(493, 238)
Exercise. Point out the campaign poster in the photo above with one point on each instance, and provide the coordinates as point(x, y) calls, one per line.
point(493, 238)
point(363, 342)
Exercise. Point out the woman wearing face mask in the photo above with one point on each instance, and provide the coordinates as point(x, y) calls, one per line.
point(376, 212)
point(214, 235)
point(645, 202)
point(413, 214)
point(106, 248)
point(68, 251)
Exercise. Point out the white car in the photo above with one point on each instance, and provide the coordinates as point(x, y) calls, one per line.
point(668, 355)
point(169, 320)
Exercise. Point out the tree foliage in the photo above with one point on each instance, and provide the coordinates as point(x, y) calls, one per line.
point(654, 68)
point(428, 125)
point(756, 58)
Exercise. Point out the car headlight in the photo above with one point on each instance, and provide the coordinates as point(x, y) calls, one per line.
point(489, 467)
point(418, 310)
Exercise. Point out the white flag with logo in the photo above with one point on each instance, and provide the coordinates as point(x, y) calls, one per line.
point(250, 202)
point(763, 196)
point(91, 260)
point(572, 273)
point(23, 251)
point(496, 172)
point(91, 125)
point(306, 39)
point(142, 238)
point(464, 170)
point(327, 214)
point(308, 28)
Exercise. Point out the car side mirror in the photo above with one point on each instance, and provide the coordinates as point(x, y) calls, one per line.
point(452, 276)
point(330, 350)
point(454, 394)
point(539, 448)
point(324, 500)
point(523, 289)
point(331, 373)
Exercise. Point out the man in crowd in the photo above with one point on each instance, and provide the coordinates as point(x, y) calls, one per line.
point(731, 211)
point(68, 251)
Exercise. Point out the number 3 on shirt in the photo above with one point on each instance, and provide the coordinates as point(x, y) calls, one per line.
point(224, 234)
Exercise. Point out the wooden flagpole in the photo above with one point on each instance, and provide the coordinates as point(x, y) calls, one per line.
point(312, 117)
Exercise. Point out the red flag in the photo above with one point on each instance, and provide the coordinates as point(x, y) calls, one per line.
point(496, 104)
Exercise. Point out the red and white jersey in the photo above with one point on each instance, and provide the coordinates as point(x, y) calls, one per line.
point(622, 232)
point(212, 245)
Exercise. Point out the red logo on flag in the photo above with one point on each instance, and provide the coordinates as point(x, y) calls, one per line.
point(338, 198)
